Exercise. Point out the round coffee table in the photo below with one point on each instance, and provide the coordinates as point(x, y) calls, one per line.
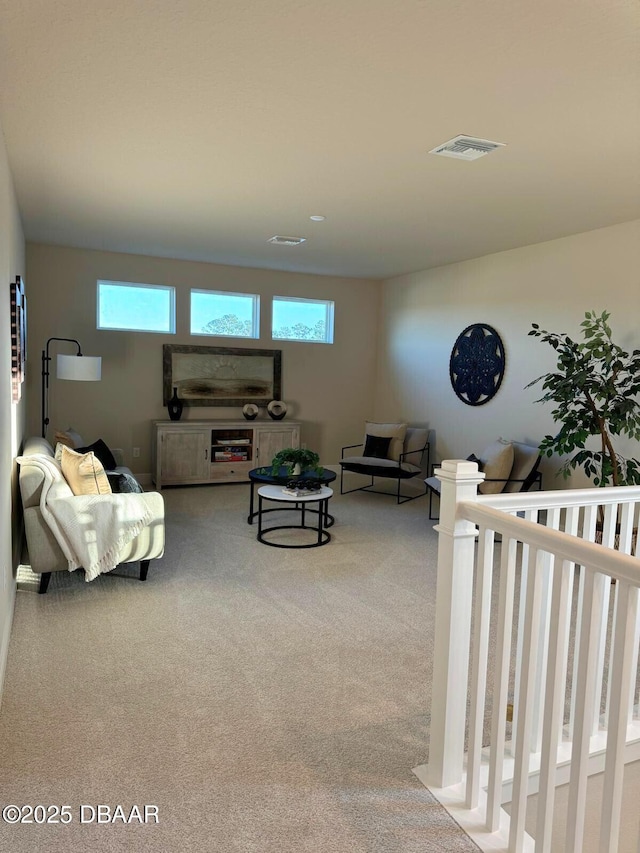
point(263, 475)
point(275, 493)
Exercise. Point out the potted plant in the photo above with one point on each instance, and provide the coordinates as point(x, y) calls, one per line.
point(596, 388)
point(296, 460)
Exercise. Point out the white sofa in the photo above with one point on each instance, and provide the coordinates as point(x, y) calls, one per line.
point(45, 554)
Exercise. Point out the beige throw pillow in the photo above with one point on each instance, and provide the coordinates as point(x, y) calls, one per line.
point(497, 461)
point(396, 432)
point(84, 472)
point(525, 458)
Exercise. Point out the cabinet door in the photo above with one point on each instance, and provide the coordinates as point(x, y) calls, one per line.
point(270, 441)
point(184, 456)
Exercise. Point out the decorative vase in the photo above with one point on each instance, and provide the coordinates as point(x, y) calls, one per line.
point(175, 406)
point(297, 469)
point(277, 409)
point(250, 411)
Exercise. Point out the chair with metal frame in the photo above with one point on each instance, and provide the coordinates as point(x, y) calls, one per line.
point(524, 474)
point(408, 464)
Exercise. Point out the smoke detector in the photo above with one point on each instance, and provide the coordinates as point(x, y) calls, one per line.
point(286, 241)
point(466, 147)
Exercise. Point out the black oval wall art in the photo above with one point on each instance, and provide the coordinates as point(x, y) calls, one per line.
point(477, 362)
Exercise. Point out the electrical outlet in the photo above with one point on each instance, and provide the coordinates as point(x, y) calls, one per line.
point(136, 452)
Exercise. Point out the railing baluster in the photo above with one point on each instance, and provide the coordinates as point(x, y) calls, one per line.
point(634, 668)
point(530, 515)
point(620, 679)
point(571, 526)
point(624, 545)
point(608, 537)
point(554, 705)
point(546, 567)
point(501, 681)
point(482, 614)
point(588, 533)
point(530, 634)
point(626, 527)
point(585, 696)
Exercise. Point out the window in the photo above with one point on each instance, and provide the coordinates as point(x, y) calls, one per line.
point(136, 307)
point(234, 315)
point(302, 320)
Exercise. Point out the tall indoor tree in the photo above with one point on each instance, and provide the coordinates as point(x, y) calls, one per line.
point(596, 390)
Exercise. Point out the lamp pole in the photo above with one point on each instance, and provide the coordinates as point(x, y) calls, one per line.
point(46, 358)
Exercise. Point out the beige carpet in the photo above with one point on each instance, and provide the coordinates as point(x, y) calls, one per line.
point(263, 699)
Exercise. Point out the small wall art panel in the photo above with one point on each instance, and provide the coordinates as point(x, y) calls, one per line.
point(18, 337)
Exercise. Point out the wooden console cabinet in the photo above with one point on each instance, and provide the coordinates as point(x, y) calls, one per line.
point(185, 452)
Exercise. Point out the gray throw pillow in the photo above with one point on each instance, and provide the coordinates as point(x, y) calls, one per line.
point(121, 482)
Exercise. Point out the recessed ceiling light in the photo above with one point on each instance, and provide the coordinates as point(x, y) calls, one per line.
point(318, 218)
point(286, 241)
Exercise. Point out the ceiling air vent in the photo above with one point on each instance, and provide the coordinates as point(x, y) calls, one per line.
point(466, 148)
point(286, 241)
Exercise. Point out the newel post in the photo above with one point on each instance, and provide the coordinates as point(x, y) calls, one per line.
point(456, 543)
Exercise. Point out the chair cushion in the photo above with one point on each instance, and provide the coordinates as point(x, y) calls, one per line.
point(375, 467)
point(84, 472)
point(396, 432)
point(377, 445)
point(497, 461)
point(525, 461)
point(415, 439)
point(434, 484)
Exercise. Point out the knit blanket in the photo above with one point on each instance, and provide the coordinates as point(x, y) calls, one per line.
point(91, 530)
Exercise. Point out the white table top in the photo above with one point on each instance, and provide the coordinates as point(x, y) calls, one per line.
point(275, 493)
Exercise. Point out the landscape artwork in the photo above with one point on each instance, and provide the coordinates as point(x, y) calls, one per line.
point(221, 376)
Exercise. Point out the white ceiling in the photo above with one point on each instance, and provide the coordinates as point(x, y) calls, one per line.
point(199, 128)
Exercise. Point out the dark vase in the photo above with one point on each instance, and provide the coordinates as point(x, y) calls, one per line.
point(175, 406)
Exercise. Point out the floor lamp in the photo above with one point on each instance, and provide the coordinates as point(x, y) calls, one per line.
point(77, 367)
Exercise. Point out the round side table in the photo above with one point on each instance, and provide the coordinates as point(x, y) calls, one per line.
point(300, 502)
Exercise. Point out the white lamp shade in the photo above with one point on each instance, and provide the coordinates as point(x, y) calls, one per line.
point(84, 368)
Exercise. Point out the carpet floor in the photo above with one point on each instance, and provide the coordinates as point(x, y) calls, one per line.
point(263, 699)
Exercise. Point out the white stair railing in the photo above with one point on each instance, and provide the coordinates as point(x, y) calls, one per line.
point(570, 672)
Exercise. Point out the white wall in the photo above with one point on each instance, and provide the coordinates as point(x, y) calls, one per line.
point(11, 416)
point(330, 388)
point(551, 283)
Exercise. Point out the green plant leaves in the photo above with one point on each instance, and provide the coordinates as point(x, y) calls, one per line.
point(291, 456)
point(595, 387)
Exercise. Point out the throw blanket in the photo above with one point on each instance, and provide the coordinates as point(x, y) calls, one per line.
point(91, 530)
